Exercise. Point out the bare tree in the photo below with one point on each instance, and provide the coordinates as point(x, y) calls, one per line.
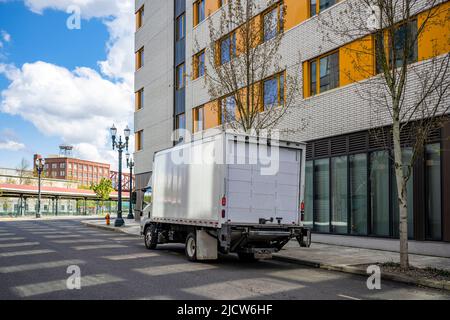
point(23, 172)
point(413, 96)
point(244, 50)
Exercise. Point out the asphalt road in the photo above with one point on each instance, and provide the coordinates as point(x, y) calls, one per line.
point(35, 255)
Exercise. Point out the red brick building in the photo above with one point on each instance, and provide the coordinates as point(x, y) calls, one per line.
point(83, 171)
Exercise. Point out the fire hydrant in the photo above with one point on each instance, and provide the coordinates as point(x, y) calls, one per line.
point(108, 219)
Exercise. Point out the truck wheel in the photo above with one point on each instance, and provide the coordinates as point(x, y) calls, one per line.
point(151, 237)
point(191, 247)
point(247, 257)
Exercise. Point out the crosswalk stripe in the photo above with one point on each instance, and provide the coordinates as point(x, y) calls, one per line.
point(38, 266)
point(19, 244)
point(25, 253)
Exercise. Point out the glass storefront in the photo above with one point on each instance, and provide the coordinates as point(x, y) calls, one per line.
point(433, 192)
point(357, 194)
point(322, 195)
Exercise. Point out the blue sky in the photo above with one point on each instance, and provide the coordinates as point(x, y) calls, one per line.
point(43, 37)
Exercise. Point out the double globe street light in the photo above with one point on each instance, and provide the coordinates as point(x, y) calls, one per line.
point(40, 163)
point(120, 146)
point(130, 165)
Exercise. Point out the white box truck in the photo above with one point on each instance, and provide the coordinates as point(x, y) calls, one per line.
point(227, 193)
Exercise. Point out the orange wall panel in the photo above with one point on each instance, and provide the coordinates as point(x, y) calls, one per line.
point(297, 11)
point(356, 61)
point(212, 115)
point(434, 40)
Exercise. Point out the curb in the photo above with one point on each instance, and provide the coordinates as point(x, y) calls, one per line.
point(441, 285)
point(104, 227)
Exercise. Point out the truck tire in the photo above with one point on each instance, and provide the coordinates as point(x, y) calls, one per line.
point(247, 257)
point(151, 237)
point(191, 247)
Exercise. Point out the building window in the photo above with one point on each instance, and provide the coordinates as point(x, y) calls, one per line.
point(199, 11)
point(139, 18)
point(180, 121)
point(74, 166)
point(274, 92)
point(228, 110)
point(358, 194)
point(180, 76)
point(272, 23)
point(139, 141)
point(433, 192)
point(54, 165)
point(322, 195)
point(70, 166)
point(316, 6)
point(140, 58)
point(180, 27)
point(199, 119)
point(324, 73)
point(339, 192)
point(62, 174)
point(227, 48)
point(199, 64)
point(62, 165)
point(404, 35)
point(309, 195)
point(379, 193)
point(139, 99)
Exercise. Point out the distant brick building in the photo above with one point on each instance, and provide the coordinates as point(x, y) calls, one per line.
point(83, 171)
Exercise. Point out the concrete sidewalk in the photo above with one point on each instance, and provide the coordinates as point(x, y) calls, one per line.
point(331, 257)
point(131, 226)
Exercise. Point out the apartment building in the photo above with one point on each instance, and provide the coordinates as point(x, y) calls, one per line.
point(350, 188)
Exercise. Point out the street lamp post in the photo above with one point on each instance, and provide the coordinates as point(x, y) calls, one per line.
point(39, 168)
point(120, 146)
point(130, 164)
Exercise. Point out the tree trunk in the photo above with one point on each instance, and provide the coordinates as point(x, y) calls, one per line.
point(402, 196)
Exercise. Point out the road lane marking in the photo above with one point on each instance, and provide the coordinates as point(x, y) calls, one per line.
point(11, 239)
point(348, 297)
point(19, 244)
point(125, 239)
point(7, 234)
point(63, 236)
point(78, 241)
point(38, 266)
point(98, 247)
point(25, 253)
point(50, 232)
point(132, 256)
point(61, 285)
point(175, 268)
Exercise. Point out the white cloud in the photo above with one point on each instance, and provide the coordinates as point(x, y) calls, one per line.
point(6, 36)
point(9, 145)
point(79, 105)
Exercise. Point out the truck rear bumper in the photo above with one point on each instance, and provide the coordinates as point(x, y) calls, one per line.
point(254, 238)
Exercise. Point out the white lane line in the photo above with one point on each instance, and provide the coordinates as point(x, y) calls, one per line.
point(12, 239)
point(132, 256)
point(19, 244)
point(98, 247)
point(7, 234)
point(61, 285)
point(79, 241)
point(348, 297)
point(62, 236)
point(175, 268)
point(38, 266)
point(25, 253)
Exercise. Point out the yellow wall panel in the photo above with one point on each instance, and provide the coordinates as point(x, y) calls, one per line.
point(297, 11)
point(435, 37)
point(356, 61)
point(212, 115)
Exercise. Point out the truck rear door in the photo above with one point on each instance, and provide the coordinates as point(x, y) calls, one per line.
point(252, 196)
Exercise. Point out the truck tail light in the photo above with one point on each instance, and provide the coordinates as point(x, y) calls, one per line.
point(224, 201)
point(302, 206)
